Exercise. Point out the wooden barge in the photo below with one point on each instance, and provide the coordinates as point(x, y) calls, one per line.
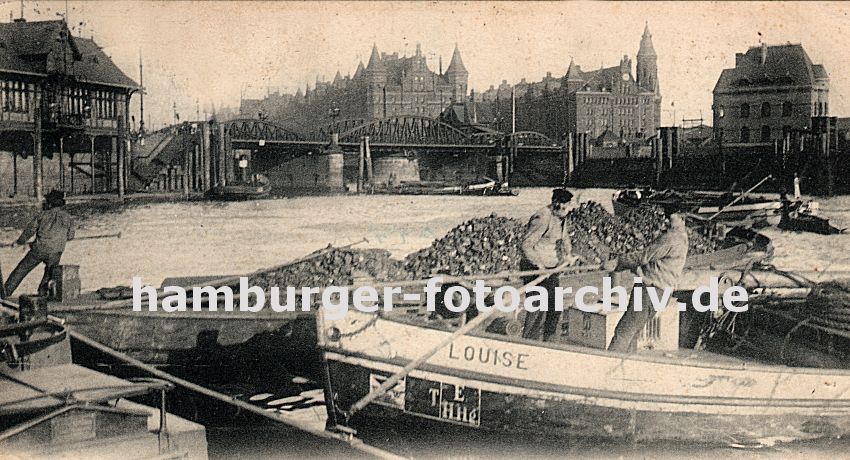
point(747, 210)
point(492, 382)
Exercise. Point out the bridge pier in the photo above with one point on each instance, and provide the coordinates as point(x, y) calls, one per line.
point(394, 169)
point(315, 172)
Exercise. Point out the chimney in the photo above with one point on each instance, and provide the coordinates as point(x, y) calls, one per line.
point(738, 58)
point(763, 53)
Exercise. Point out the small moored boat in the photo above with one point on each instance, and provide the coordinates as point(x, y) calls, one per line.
point(257, 188)
point(486, 187)
point(758, 210)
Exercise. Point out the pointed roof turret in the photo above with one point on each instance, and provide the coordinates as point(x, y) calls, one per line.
point(646, 48)
point(375, 60)
point(337, 78)
point(299, 93)
point(573, 72)
point(359, 71)
point(456, 66)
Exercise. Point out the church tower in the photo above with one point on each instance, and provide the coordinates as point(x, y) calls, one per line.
point(647, 69)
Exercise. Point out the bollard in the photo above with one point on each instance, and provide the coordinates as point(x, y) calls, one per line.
point(32, 308)
point(66, 283)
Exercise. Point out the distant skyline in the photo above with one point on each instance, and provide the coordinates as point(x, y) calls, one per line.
point(216, 52)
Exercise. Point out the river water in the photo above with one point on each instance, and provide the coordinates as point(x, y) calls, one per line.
point(207, 238)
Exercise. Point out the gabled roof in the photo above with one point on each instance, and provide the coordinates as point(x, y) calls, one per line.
point(783, 65)
point(607, 136)
point(468, 116)
point(96, 67)
point(602, 79)
point(35, 48)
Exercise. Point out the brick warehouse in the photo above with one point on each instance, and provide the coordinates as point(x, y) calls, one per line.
point(63, 112)
point(387, 86)
point(771, 89)
point(609, 103)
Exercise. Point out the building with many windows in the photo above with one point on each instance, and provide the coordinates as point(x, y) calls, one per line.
point(387, 86)
point(772, 88)
point(608, 103)
point(63, 112)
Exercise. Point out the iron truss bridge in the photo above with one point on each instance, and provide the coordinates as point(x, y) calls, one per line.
point(411, 132)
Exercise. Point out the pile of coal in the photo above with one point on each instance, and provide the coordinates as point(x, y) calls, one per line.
point(701, 242)
point(335, 267)
point(485, 245)
point(482, 245)
point(649, 222)
point(597, 235)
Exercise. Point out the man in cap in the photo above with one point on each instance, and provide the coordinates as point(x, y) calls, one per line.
point(659, 266)
point(52, 228)
point(545, 245)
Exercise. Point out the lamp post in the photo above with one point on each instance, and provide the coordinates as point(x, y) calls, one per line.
point(333, 113)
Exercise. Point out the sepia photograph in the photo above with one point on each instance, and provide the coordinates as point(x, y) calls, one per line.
point(424, 229)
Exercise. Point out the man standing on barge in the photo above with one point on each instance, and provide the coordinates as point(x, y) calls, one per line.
point(52, 228)
point(546, 245)
point(659, 266)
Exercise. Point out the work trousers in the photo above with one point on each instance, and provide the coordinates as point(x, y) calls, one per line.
point(628, 330)
point(27, 264)
point(541, 324)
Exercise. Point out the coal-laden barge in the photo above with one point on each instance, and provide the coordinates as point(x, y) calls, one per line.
point(458, 373)
point(234, 345)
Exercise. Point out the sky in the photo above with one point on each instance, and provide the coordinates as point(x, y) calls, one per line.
point(200, 55)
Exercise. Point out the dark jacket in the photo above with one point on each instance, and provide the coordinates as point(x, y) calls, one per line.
point(52, 229)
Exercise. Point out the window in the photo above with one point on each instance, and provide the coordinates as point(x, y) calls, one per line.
point(745, 110)
point(15, 97)
point(745, 135)
point(765, 133)
point(787, 108)
point(765, 109)
point(721, 112)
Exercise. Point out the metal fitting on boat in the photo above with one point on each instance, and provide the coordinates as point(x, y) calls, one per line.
point(333, 334)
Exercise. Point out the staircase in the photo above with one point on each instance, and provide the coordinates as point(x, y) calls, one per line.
point(155, 163)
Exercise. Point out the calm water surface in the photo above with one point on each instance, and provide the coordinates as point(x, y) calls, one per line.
point(203, 238)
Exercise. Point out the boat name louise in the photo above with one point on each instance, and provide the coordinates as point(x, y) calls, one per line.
point(487, 355)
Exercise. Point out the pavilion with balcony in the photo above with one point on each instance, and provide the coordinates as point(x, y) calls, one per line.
point(64, 110)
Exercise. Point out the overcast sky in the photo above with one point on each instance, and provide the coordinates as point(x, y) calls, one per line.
point(214, 52)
